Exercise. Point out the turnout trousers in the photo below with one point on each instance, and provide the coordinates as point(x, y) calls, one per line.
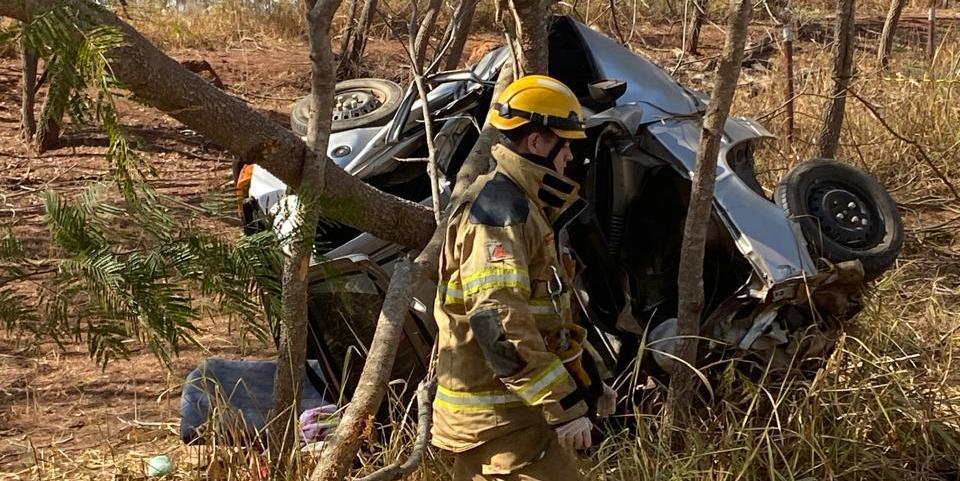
point(531, 454)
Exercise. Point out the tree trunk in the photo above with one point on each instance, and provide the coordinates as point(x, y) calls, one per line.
point(699, 17)
point(530, 22)
point(349, 27)
point(157, 80)
point(291, 352)
point(690, 283)
point(351, 56)
point(51, 115)
point(788, 37)
point(932, 31)
point(889, 31)
point(339, 452)
point(844, 37)
point(423, 34)
point(28, 123)
point(464, 21)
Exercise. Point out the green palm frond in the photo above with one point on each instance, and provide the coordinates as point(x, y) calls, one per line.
point(16, 310)
point(69, 226)
point(8, 34)
point(132, 273)
point(10, 247)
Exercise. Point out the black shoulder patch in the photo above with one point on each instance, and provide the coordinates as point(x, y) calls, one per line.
point(500, 203)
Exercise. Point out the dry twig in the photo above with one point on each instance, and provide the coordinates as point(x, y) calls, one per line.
point(921, 152)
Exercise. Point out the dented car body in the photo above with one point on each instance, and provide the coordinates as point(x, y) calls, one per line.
point(777, 290)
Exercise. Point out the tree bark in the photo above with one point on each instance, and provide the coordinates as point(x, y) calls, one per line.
point(291, 352)
point(788, 37)
point(28, 86)
point(351, 56)
point(699, 17)
point(348, 29)
point(889, 31)
point(690, 283)
point(932, 31)
point(159, 81)
point(423, 34)
point(426, 391)
point(51, 115)
point(340, 450)
point(844, 37)
point(530, 21)
point(464, 22)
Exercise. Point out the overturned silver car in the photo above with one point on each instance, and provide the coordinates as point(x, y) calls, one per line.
point(781, 275)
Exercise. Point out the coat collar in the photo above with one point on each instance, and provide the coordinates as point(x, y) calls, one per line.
point(553, 193)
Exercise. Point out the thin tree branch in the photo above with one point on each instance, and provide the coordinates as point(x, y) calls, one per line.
point(425, 393)
point(921, 152)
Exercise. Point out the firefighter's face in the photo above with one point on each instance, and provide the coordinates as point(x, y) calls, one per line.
point(543, 143)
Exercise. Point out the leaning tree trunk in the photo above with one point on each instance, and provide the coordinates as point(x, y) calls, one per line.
point(291, 352)
point(423, 34)
point(889, 31)
point(159, 81)
point(28, 90)
point(341, 449)
point(844, 37)
point(699, 17)
point(349, 27)
point(464, 22)
point(351, 56)
point(683, 380)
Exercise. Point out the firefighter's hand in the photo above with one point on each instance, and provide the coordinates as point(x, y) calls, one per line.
point(607, 403)
point(575, 434)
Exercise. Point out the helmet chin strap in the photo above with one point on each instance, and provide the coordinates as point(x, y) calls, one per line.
point(554, 152)
point(547, 160)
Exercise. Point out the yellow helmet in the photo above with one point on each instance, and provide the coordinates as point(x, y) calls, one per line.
point(540, 100)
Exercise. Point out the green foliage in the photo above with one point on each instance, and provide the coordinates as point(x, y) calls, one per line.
point(111, 295)
point(131, 273)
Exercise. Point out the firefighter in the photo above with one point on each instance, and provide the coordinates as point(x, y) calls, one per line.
point(511, 364)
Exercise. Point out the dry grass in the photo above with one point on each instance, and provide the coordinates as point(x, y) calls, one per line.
point(218, 24)
point(886, 406)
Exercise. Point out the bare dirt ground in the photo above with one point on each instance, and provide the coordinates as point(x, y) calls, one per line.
point(59, 401)
point(57, 404)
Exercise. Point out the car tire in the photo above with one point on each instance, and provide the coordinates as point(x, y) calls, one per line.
point(364, 102)
point(844, 214)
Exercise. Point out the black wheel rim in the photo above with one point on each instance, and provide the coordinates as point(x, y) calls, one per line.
point(846, 214)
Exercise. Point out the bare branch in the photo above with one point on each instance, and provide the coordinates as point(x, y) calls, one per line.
point(921, 152)
point(425, 393)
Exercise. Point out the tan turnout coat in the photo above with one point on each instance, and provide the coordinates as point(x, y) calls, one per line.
point(494, 310)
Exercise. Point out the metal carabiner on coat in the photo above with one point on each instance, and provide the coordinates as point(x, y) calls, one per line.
point(555, 289)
